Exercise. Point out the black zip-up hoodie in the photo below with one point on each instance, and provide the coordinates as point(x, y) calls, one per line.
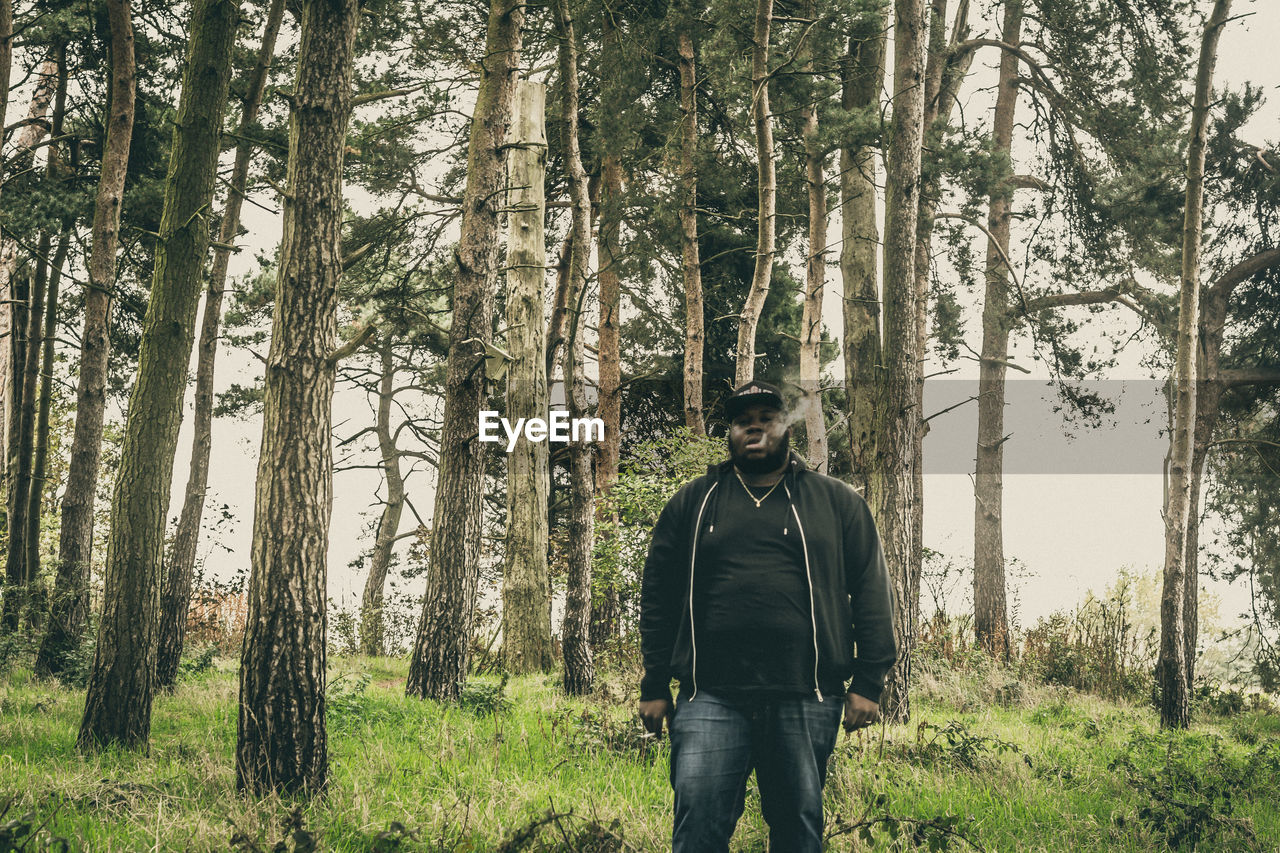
point(851, 603)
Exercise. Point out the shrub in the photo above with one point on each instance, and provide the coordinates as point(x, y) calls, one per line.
point(566, 833)
point(1189, 788)
point(595, 730)
point(650, 474)
point(953, 745)
point(199, 664)
point(483, 698)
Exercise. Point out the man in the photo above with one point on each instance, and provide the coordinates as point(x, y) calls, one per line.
point(765, 591)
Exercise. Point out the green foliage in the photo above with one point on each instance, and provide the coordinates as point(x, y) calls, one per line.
point(1190, 789)
point(649, 474)
point(1106, 645)
point(597, 731)
point(955, 745)
point(295, 837)
point(347, 702)
point(27, 833)
point(79, 658)
point(484, 698)
point(943, 832)
point(199, 664)
point(431, 777)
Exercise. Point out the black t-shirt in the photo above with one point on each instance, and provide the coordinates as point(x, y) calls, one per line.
point(752, 613)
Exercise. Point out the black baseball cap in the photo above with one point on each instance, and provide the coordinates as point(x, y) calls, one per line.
point(752, 393)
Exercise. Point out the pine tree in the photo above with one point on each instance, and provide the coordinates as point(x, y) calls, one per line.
point(281, 742)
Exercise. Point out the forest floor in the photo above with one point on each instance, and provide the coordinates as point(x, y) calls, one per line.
point(987, 763)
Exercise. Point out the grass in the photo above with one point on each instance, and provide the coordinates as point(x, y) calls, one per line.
point(1046, 770)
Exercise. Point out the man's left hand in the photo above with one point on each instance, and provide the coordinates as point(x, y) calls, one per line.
point(859, 712)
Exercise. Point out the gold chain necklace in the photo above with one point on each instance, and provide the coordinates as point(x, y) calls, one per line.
point(748, 489)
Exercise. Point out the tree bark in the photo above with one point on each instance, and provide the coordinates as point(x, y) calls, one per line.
point(897, 415)
point(69, 606)
point(18, 350)
point(121, 682)
point(815, 423)
point(179, 570)
point(944, 70)
point(39, 464)
point(1171, 668)
point(42, 366)
point(605, 604)
point(526, 583)
point(281, 742)
point(6, 66)
point(579, 670)
point(17, 568)
point(861, 79)
point(990, 617)
point(610, 256)
point(371, 622)
point(766, 234)
point(442, 650)
point(690, 263)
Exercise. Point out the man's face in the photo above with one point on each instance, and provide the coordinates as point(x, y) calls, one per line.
point(759, 440)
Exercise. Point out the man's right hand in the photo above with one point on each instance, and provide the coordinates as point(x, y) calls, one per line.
point(653, 712)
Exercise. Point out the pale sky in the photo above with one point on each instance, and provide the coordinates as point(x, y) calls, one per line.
point(1068, 531)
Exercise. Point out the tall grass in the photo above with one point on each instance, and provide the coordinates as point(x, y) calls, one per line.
point(1011, 768)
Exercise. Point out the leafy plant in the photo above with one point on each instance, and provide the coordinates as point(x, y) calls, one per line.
point(566, 832)
point(347, 701)
point(955, 746)
point(190, 667)
point(296, 837)
point(484, 699)
point(937, 833)
point(24, 834)
point(595, 730)
point(1190, 789)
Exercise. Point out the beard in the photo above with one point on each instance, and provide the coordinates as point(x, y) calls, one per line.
point(765, 464)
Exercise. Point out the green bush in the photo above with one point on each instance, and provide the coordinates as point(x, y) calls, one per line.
point(648, 476)
point(484, 698)
point(1189, 789)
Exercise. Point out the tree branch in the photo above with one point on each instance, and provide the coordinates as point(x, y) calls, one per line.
point(352, 345)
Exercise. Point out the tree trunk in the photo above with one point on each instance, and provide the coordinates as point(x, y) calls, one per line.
point(897, 416)
point(944, 71)
point(767, 194)
point(579, 671)
point(610, 255)
point(605, 604)
point(18, 289)
point(179, 571)
point(281, 739)
point(442, 650)
point(1208, 400)
point(42, 361)
point(690, 263)
point(1213, 317)
point(19, 350)
point(371, 622)
point(22, 434)
point(526, 583)
point(862, 78)
point(990, 617)
point(118, 704)
point(1171, 668)
point(69, 605)
point(815, 423)
point(39, 465)
point(6, 65)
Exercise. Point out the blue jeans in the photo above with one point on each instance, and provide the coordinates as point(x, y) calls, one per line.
point(715, 743)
